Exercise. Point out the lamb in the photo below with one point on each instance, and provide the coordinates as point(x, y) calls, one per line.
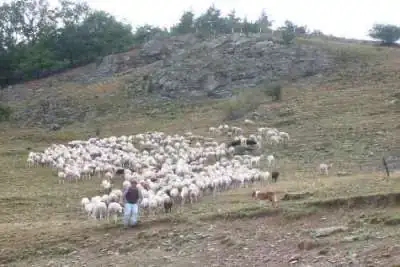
point(266, 195)
point(113, 210)
point(324, 168)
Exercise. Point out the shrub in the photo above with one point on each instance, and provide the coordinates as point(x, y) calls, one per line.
point(273, 90)
point(387, 33)
point(243, 102)
point(5, 113)
point(288, 36)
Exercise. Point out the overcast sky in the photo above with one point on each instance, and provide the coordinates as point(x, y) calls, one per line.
point(345, 18)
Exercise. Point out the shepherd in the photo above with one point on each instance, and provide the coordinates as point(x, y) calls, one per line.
point(131, 207)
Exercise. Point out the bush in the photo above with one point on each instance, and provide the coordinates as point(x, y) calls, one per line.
point(288, 32)
point(273, 90)
point(288, 36)
point(5, 113)
point(387, 33)
point(242, 103)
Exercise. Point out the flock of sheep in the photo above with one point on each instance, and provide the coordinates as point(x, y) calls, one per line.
point(169, 169)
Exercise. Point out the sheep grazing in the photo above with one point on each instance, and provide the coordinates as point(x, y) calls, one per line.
point(275, 176)
point(120, 171)
point(271, 160)
point(235, 143)
point(107, 186)
point(167, 168)
point(168, 205)
point(264, 176)
point(99, 210)
point(113, 210)
point(250, 142)
point(266, 195)
point(248, 122)
point(84, 202)
point(324, 168)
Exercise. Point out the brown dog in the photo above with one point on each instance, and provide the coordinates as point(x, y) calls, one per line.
point(266, 195)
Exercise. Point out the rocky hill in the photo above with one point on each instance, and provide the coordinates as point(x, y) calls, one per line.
point(187, 67)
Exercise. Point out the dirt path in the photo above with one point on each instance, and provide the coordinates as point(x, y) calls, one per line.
point(268, 241)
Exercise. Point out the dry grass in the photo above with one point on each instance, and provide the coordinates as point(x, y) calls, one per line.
point(337, 117)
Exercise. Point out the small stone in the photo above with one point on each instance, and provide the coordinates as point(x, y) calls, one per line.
point(307, 244)
point(322, 232)
point(294, 259)
point(324, 251)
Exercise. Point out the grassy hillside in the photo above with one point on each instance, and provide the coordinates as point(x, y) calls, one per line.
point(349, 117)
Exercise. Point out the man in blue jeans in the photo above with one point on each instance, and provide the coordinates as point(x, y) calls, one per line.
point(131, 208)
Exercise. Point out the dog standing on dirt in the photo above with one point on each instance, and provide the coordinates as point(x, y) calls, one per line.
point(266, 194)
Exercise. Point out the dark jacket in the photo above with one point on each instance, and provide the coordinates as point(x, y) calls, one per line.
point(132, 195)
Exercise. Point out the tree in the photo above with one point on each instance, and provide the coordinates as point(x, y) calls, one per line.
point(288, 31)
point(387, 33)
point(211, 22)
point(185, 25)
point(263, 22)
point(146, 32)
point(37, 39)
point(232, 21)
point(246, 26)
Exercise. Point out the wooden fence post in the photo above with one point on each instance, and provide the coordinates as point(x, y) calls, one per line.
point(386, 166)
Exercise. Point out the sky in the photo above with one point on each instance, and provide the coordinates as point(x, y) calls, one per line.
point(342, 18)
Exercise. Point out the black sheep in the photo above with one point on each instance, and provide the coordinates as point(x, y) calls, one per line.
point(234, 143)
point(275, 176)
point(120, 171)
point(250, 142)
point(168, 206)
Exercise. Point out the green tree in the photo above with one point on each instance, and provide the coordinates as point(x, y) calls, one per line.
point(36, 39)
point(211, 22)
point(387, 33)
point(288, 32)
point(146, 32)
point(232, 21)
point(185, 25)
point(263, 22)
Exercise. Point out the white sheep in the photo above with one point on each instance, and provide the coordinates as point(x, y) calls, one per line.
point(324, 168)
point(271, 160)
point(84, 202)
point(113, 210)
point(248, 122)
point(99, 210)
point(181, 167)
